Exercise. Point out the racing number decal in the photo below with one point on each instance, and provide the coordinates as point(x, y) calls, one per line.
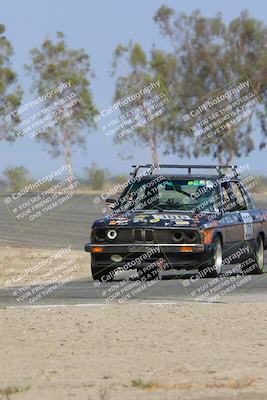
point(248, 225)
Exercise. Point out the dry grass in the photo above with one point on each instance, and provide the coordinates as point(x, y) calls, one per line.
point(10, 390)
point(229, 384)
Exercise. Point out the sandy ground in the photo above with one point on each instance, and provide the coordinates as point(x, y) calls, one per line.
point(187, 351)
point(23, 265)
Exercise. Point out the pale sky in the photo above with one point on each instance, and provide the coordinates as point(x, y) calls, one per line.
point(98, 27)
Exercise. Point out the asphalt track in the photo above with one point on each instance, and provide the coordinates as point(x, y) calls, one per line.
point(171, 288)
point(71, 226)
point(67, 225)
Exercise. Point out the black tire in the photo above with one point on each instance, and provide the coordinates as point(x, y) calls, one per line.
point(215, 265)
point(259, 256)
point(102, 273)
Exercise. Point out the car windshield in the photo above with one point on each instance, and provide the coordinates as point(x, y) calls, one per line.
point(162, 193)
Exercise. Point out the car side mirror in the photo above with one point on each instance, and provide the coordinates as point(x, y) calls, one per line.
point(111, 203)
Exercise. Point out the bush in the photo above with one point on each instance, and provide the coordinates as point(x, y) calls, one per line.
point(17, 178)
point(97, 177)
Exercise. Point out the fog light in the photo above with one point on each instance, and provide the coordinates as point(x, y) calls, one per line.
point(112, 234)
point(116, 258)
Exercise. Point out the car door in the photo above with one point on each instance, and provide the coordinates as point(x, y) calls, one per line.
point(255, 222)
point(232, 223)
point(250, 215)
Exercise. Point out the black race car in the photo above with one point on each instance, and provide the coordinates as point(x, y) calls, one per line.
point(180, 221)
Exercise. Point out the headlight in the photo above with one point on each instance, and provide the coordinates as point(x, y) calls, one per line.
point(191, 236)
point(112, 234)
point(178, 236)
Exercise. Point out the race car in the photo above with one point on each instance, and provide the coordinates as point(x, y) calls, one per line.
point(189, 220)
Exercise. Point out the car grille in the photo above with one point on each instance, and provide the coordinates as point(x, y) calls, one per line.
point(143, 235)
point(126, 235)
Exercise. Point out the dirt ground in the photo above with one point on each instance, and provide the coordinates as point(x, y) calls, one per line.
point(23, 265)
point(187, 351)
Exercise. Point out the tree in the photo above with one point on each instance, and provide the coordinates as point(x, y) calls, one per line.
point(17, 178)
point(54, 64)
point(97, 176)
point(10, 92)
point(209, 55)
point(143, 69)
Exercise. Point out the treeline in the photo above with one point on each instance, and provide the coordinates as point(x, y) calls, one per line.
point(96, 179)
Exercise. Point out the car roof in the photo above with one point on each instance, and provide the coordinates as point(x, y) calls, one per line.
point(186, 177)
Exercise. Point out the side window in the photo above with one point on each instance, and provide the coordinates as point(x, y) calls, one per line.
point(238, 197)
point(227, 197)
point(134, 195)
point(248, 198)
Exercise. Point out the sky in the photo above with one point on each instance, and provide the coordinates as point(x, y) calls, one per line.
point(98, 27)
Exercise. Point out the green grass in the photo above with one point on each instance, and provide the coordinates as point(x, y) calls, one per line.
point(141, 384)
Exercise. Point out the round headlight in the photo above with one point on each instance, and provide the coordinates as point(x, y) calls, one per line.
point(191, 236)
point(112, 234)
point(177, 236)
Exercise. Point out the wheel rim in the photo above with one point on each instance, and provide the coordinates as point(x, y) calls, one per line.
point(218, 257)
point(260, 254)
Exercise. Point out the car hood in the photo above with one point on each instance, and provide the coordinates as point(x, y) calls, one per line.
point(152, 218)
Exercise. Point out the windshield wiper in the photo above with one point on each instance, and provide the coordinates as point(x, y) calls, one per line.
point(155, 207)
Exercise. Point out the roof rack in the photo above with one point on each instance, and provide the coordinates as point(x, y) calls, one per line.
point(154, 167)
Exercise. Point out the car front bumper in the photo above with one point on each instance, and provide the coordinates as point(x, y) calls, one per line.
point(175, 256)
point(144, 247)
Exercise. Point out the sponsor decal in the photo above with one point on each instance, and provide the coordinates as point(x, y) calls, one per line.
point(167, 223)
point(154, 220)
point(210, 224)
point(140, 218)
point(112, 222)
point(172, 217)
point(120, 221)
point(230, 219)
point(181, 222)
point(248, 226)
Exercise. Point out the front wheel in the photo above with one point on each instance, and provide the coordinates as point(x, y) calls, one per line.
point(102, 273)
point(213, 269)
point(259, 257)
